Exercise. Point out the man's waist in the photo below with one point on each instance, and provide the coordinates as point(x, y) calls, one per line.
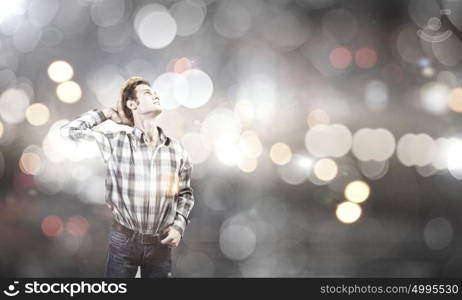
point(145, 238)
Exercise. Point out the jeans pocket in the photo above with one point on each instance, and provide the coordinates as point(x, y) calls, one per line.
point(118, 238)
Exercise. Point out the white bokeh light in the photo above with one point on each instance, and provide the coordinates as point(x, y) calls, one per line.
point(416, 150)
point(328, 140)
point(200, 88)
point(237, 242)
point(373, 144)
point(13, 103)
point(189, 16)
point(155, 26)
point(60, 71)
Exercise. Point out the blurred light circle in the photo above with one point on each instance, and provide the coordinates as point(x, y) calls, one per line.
point(449, 51)
point(26, 85)
point(440, 160)
point(7, 78)
point(357, 191)
point(69, 92)
point(93, 191)
point(11, 8)
point(144, 11)
point(408, 44)
point(195, 264)
point(328, 140)
point(248, 164)
point(200, 89)
point(376, 95)
point(325, 169)
point(156, 28)
point(52, 226)
point(51, 180)
point(427, 170)
point(438, 233)
point(182, 64)
point(455, 100)
point(373, 169)
point(60, 71)
point(51, 36)
point(348, 212)
point(30, 163)
point(416, 150)
point(106, 83)
point(189, 16)
point(13, 103)
point(245, 111)
point(171, 88)
point(26, 37)
point(42, 12)
point(448, 78)
point(261, 91)
point(317, 117)
point(72, 18)
point(37, 114)
point(454, 159)
point(231, 19)
point(77, 226)
point(197, 146)
point(296, 171)
point(421, 11)
point(227, 153)
point(434, 97)
point(366, 58)
point(428, 72)
point(107, 12)
point(340, 57)
point(114, 38)
point(373, 144)
point(221, 126)
point(287, 29)
point(237, 242)
point(249, 144)
point(280, 153)
point(340, 25)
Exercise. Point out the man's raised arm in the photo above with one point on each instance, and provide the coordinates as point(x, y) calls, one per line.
point(81, 128)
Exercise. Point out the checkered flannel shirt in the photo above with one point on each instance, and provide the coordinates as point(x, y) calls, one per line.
point(147, 187)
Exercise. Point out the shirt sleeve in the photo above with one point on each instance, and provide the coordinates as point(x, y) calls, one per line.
point(81, 128)
point(185, 198)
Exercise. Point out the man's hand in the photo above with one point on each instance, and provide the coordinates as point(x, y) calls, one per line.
point(112, 114)
point(172, 239)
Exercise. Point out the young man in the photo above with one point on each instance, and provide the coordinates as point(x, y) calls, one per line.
point(147, 182)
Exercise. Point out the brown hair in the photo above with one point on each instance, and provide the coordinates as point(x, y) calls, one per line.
point(127, 92)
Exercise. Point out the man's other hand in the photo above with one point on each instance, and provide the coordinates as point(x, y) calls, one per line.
point(173, 237)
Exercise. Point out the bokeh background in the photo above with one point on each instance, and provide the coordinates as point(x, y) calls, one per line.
point(325, 134)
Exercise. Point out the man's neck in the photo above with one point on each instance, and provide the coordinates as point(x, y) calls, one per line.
point(149, 127)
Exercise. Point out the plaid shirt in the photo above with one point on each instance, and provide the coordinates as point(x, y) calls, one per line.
point(147, 187)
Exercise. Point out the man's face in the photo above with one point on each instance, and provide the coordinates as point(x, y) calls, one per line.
point(148, 101)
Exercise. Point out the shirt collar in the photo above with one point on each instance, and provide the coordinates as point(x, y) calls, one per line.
point(138, 133)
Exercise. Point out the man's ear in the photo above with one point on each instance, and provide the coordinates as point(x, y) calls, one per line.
point(131, 104)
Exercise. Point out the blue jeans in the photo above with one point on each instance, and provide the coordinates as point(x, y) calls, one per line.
point(126, 253)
